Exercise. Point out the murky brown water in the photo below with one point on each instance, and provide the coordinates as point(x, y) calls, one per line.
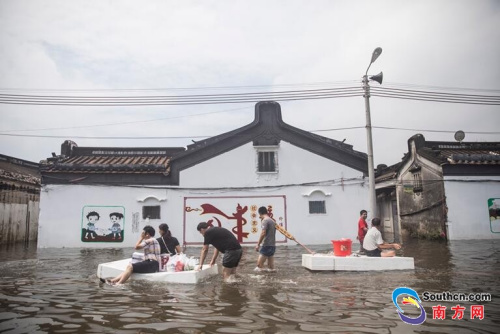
point(57, 291)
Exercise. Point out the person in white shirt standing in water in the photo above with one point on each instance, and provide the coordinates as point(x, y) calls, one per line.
point(268, 239)
point(374, 244)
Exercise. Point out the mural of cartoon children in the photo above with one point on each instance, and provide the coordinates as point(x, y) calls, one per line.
point(116, 228)
point(92, 218)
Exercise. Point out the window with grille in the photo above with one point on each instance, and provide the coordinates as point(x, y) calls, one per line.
point(417, 182)
point(151, 212)
point(267, 161)
point(317, 207)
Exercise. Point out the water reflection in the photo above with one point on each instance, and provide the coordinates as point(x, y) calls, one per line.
point(57, 291)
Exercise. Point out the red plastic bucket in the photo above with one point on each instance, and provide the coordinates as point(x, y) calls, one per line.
point(342, 247)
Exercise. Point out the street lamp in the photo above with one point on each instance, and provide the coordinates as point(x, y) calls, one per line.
point(371, 169)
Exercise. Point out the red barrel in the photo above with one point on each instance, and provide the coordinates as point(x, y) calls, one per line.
point(342, 247)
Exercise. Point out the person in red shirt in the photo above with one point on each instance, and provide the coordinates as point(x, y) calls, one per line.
point(362, 229)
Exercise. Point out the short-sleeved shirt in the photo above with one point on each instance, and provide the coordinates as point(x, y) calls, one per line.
point(167, 246)
point(268, 226)
point(221, 239)
point(151, 249)
point(361, 226)
point(373, 238)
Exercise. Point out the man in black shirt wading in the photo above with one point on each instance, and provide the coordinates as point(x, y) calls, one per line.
point(223, 241)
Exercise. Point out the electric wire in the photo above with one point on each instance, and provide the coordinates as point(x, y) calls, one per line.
point(208, 136)
point(246, 97)
point(208, 88)
point(438, 88)
point(178, 99)
point(124, 123)
point(435, 96)
point(437, 131)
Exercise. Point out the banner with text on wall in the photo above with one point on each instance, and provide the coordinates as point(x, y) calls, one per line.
point(237, 214)
point(494, 213)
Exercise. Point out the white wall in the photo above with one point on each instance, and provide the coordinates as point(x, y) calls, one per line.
point(61, 211)
point(61, 206)
point(237, 168)
point(61, 218)
point(467, 202)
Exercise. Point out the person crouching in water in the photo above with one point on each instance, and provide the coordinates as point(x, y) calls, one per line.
point(151, 248)
point(374, 244)
point(223, 241)
point(168, 244)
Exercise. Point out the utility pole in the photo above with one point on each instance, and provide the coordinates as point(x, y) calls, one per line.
point(369, 141)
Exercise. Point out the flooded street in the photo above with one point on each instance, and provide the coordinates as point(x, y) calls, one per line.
point(57, 291)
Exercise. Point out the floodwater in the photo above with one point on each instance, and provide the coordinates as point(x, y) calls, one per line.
point(57, 291)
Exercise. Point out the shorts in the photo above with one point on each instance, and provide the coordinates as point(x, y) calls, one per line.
point(267, 250)
point(232, 258)
point(373, 253)
point(145, 267)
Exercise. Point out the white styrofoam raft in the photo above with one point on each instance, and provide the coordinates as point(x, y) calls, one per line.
point(355, 263)
point(113, 269)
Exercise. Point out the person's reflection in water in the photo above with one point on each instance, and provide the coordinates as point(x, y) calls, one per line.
point(230, 306)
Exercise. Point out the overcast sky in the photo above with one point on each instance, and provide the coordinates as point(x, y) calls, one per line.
point(102, 47)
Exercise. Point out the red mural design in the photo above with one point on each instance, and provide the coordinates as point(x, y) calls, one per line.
point(238, 216)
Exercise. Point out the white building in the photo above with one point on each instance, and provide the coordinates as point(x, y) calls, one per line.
point(103, 197)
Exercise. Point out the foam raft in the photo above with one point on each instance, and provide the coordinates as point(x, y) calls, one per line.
point(113, 269)
point(355, 263)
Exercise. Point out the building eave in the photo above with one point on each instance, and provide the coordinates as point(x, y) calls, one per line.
point(267, 129)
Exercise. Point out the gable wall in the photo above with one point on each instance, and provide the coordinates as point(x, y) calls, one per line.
point(421, 213)
point(237, 168)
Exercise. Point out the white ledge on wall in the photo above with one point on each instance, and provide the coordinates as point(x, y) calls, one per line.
point(316, 190)
point(151, 197)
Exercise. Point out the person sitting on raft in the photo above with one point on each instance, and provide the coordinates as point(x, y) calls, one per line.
point(168, 244)
point(151, 248)
point(374, 244)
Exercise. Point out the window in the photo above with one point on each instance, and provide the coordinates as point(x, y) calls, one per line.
point(267, 162)
point(151, 212)
point(416, 171)
point(317, 207)
point(417, 182)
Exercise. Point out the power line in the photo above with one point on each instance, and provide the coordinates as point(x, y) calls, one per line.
point(208, 88)
point(439, 131)
point(435, 96)
point(124, 123)
point(438, 88)
point(178, 99)
point(208, 136)
point(289, 95)
point(234, 87)
point(99, 137)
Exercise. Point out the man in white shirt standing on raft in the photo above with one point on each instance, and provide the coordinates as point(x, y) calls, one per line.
point(374, 244)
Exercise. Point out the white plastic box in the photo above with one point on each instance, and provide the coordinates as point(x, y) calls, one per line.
point(355, 263)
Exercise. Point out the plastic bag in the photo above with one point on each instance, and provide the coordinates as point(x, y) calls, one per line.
point(191, 264)
point(163, 261)
point(179, 266)
point(172, 261)
point(180, 262)
point(137, 257)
